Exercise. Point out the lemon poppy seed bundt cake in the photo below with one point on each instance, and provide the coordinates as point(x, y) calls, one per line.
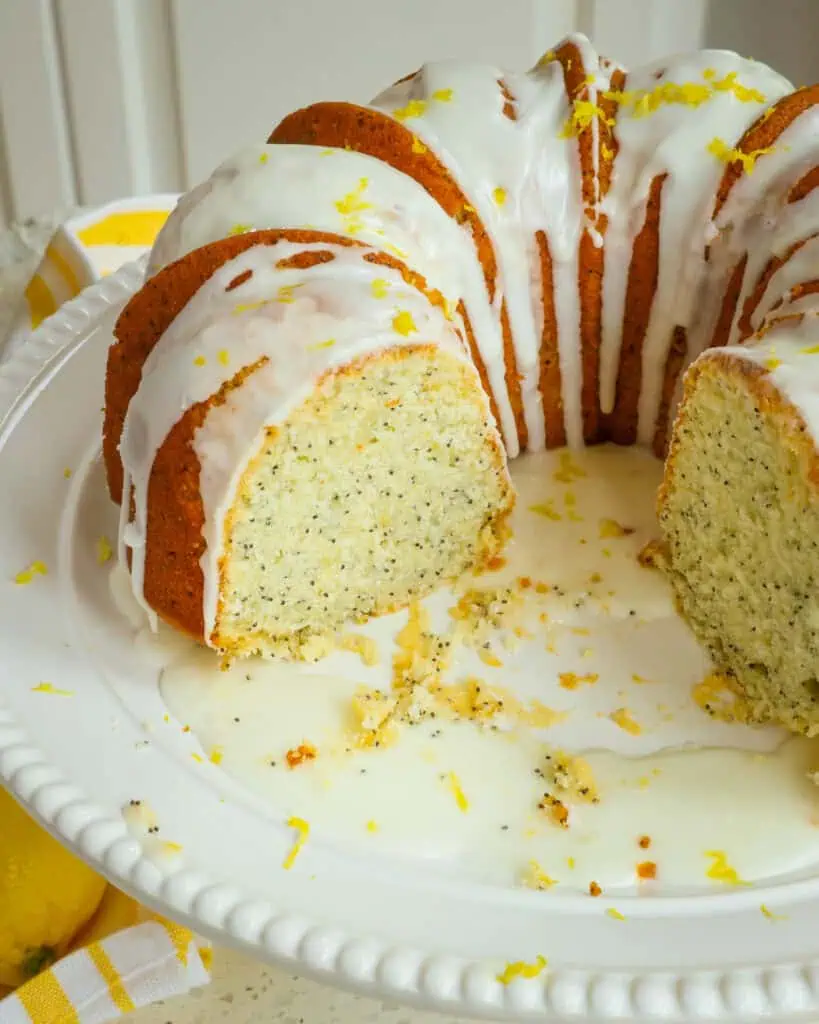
point(305, 404)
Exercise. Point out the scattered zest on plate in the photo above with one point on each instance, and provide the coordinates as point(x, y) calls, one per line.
point(302, 832)
point(521, 969)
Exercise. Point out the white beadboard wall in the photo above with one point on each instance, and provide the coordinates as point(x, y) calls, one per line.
point(105, 98)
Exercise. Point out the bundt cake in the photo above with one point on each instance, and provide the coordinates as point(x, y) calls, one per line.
point(564, 242)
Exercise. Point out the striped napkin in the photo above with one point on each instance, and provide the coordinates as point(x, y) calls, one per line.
point(111, 977)
point(126, 957)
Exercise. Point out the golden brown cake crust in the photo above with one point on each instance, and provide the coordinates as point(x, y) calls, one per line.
point(174, 583)
point(347, 126)
point(596, 175)
point(640, 288)
point(763, 133)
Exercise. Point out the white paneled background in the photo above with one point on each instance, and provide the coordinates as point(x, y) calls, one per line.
point(105, 98)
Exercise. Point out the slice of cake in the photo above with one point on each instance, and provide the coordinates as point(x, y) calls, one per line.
point(739, 511)
point(297, 439)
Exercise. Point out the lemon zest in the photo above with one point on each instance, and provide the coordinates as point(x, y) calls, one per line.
point(571, 680)
point(522, 969)
point(244, 307)
point(303, 831)
point(458, 793)
point(583, 115)
point(721, 871)
point(729, 154)
point(403, 324)
point(104, 550)
point(27, 575)
point(742, 92)
point(443, 95)
point(536, 878)
point(353, 201)
point(50, 688)
point(415, 108)
point(379, 288)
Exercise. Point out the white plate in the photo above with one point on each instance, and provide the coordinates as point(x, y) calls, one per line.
point(424, 910)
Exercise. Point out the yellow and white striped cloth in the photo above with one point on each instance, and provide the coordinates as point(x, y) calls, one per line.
point(129, 958)
point(112, 977)
point(84, 249)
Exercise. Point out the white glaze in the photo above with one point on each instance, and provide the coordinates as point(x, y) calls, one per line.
point(455, 109)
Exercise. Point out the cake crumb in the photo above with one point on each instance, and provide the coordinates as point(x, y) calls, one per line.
point(652, 555)
point(646, 870)
point(719, 696)
point(364, 646)
point(573, 776)
point(300, 755)
point(555, 809)
point(594, 889)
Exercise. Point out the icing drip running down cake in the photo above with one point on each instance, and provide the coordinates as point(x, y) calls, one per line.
point(302, 402)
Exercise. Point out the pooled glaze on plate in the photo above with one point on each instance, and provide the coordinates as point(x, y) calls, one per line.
point(594, 662)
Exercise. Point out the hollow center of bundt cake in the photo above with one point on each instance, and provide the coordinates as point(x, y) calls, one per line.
point(743, 528)
point(383, 485)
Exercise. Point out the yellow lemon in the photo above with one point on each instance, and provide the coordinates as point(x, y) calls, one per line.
point(46, 895)
point(117, 911)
